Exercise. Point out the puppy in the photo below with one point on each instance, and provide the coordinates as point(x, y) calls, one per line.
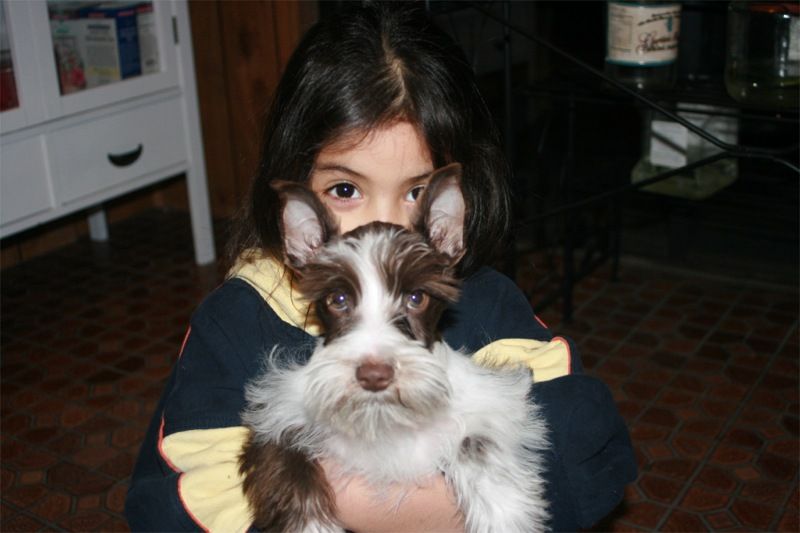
point(382, 396)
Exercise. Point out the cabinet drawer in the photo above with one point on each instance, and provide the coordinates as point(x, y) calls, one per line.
point(24, 188)
point(94, 156)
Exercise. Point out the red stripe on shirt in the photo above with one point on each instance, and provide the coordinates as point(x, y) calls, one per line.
point(161, 447)
point(180, 478)
point(186, 507)
point(569, 353)
point(185, 338)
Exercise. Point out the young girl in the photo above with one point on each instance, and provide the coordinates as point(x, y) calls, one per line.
point(372, 101)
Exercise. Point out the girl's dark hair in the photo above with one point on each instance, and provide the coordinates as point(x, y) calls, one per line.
point(362, 68)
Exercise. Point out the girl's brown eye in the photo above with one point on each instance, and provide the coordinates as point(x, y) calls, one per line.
point(338, 301)
point(417, 300)
point(344, 190)
point(413, 194)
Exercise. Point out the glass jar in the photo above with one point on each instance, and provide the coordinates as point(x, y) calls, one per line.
point(642, 43)
point(669, 145)
point(763, 63)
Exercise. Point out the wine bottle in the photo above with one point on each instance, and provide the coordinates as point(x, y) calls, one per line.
point(642, 43)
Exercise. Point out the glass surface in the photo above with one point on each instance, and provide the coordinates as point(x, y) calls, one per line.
point(97, 43)
point(763, 65)
point(8, 83)
point(669, 145)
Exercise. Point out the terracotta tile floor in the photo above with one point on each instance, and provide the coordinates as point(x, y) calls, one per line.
point(705, 371)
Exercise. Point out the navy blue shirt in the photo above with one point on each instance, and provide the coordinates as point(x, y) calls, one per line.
point(588, 465)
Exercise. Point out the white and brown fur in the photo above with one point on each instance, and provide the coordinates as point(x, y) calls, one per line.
point(382, 395)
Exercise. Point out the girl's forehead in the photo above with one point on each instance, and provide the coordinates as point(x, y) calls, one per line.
point(395, 143)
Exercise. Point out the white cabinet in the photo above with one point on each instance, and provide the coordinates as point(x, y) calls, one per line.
point(24, 187)
point(77, 128)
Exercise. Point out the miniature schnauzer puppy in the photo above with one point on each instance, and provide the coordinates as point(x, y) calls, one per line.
point(382, 395)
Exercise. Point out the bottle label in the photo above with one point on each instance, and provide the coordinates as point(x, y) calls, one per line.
point(643, 35)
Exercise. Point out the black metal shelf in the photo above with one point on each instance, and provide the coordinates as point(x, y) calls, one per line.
point(595, 87)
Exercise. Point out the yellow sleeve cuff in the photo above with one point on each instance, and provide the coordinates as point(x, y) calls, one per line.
point(210, 485)
point(547, 360)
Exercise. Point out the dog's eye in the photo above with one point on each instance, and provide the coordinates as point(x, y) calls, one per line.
point(337, 301)
point(417, 300)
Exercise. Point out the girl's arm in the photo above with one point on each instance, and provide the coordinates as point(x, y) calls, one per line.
point(590, 459)
point(186, 476)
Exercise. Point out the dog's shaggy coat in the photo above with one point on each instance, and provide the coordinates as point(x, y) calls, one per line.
point(382, 396)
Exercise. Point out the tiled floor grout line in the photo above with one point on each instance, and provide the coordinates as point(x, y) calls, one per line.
point(47, 345)
point(624, 339)
point(755, 385)
point(66, 458)
point(33, 516)
point(728, 423)
point(776, 521)
point(653, 401)
point(61, 458)
point(689, 483)
point(775, 355)
point(651, 312)
point(54, 396)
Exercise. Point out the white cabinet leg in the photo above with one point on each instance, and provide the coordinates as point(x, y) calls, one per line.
point(98, 227)
point(200, 210)
point(200, 213)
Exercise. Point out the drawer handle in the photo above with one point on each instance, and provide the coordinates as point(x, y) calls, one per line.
point(127, 158)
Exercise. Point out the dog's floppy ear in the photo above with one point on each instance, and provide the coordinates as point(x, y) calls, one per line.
point(441, 212)
point(306, 224)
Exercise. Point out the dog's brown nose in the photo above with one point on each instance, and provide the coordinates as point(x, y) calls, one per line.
point(374, 376)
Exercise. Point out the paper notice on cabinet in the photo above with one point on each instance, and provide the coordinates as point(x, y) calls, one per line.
point(148, 38)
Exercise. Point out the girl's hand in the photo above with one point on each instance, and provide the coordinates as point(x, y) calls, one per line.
point(428, 508)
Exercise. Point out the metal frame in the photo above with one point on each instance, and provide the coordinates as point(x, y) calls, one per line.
point(780, 156)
